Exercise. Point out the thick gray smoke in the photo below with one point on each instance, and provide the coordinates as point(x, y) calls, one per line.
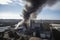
point(32, 7)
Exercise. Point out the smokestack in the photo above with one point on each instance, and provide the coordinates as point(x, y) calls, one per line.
point(31, 8)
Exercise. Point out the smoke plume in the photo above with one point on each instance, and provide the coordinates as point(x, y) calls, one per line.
point(32, 7)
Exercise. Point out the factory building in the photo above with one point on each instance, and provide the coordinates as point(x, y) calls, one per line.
point(40, 29)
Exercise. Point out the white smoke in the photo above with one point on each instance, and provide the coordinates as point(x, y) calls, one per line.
point(19, 24)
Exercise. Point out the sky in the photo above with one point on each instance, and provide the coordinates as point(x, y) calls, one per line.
point(12, 9)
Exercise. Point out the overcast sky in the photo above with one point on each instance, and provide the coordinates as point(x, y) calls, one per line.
point(12, 9)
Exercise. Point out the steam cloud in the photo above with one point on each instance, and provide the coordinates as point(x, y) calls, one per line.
point(32, 7)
